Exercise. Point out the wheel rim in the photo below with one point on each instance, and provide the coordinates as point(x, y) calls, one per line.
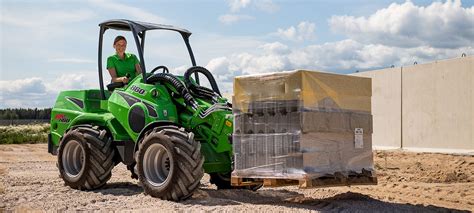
point(73, 158)
point(157, 164)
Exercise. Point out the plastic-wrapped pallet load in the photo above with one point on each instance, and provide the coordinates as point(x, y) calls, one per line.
point(302, 125)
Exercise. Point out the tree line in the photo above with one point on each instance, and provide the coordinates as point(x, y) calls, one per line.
point(21, 113)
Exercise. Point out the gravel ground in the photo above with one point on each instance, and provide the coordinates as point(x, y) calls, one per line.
point(408, 182)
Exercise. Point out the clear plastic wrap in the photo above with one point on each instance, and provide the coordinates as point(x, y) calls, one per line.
point(301, 124)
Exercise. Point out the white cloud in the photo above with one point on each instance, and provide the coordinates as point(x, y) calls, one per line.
point(343, 56)
point(180, 70)
point(275, 47)
point(24, 93)
point(74, 81)
point(44, 18)
point(236, 5)
point(263, 5)
point(439, 25)
point(39, 92)
point(208, 46)
point(23, 86)
point(72, 60)
point(42, 33)
point(303, 31)
point(399, 34)
point(219, 66)
point(232, 18)
point(267, 6)
point(39, 25)
point(350, 55)
point(133, 12)
point(273, 57)
point(220, 69)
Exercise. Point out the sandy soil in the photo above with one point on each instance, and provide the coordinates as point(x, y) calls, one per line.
point(408, 182)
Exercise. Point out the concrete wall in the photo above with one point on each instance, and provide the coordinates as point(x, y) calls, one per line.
point(438, 105)
point(386, 105)
point(424, 107)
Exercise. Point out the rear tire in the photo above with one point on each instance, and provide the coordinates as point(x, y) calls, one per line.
point(169, 163)
point(85, 158)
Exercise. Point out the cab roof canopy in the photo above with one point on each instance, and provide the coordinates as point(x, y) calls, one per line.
point(126, 25)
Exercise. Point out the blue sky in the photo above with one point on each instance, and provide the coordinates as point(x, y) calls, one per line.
point(49, 46)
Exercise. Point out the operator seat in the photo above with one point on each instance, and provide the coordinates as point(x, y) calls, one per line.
point(112, 86)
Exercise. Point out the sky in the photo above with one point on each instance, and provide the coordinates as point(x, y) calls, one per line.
point(51, 45)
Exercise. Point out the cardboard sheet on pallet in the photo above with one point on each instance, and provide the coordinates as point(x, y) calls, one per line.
point(302, 125)
point(315, 90)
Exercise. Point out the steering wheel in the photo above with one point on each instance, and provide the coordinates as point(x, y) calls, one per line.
point(165, 69)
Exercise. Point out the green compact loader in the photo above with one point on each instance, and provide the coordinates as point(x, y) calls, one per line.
point(167, 129)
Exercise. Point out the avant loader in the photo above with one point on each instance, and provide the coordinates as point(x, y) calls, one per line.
point(167, 129)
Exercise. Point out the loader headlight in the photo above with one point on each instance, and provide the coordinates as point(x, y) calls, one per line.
point(154, 93)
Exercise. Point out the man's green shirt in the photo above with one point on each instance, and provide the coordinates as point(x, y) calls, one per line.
point(123, 66)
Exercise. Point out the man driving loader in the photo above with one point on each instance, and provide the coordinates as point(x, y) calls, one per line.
point(121, 63)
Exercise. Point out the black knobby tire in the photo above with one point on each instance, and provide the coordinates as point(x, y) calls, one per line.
point(91, 166)
point(222, 181)
point(181, 175)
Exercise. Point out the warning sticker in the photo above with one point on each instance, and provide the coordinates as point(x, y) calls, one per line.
point(359, 138)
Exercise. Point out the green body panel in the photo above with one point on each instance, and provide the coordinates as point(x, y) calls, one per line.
point(213, 131)
point(162, 104)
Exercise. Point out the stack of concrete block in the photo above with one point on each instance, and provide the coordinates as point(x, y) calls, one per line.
point(269, 117)
point(267, 153)
point(315, 128)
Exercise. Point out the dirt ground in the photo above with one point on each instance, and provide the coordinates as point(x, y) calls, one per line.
point(408, 182)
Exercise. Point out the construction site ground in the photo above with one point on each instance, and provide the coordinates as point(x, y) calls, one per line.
point(407, 182)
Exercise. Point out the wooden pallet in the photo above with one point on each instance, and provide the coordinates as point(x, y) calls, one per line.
point(326, 181)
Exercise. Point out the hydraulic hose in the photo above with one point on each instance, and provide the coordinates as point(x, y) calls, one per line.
point(200, 90)
point(177, 84)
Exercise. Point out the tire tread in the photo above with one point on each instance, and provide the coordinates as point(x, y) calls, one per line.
point(188, 163)
point(99, 165)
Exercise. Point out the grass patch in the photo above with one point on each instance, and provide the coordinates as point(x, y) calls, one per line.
point(21, 134)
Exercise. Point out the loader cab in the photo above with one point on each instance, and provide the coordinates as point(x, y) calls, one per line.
point(138, 31)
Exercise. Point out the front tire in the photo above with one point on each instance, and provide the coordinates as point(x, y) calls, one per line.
point(169, 163)
point(85, 158)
